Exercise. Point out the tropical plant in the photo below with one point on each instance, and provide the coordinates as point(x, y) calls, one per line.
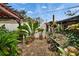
point(30, 27)
point(27, 30)
point(8, 43)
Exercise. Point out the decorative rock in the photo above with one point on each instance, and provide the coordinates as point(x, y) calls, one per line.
point(72, 49)
point(66, 50)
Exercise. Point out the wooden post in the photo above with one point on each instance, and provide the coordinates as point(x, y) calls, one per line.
point(53, 18)
point(53, 25)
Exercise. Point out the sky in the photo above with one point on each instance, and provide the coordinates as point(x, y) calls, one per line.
point(46, 10)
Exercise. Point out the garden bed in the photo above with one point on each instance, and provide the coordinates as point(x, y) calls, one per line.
point(37, 48)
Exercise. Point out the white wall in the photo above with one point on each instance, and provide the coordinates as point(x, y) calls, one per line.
point(9, 26)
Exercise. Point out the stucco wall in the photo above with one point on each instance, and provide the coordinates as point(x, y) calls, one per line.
point(9, 24)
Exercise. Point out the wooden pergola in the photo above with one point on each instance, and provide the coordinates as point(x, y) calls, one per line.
point(7, 12)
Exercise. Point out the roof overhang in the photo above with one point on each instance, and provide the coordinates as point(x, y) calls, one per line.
point(72, 19)
point(8, 11)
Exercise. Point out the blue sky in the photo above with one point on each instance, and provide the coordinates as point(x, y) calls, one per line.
point(46, 10)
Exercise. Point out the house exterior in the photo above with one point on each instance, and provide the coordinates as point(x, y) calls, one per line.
point(9, 17)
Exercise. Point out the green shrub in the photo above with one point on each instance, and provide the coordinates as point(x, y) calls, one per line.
point(73, 38)
point(8, 43)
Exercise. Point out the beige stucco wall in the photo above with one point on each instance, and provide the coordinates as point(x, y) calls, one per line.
point(9, 24)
